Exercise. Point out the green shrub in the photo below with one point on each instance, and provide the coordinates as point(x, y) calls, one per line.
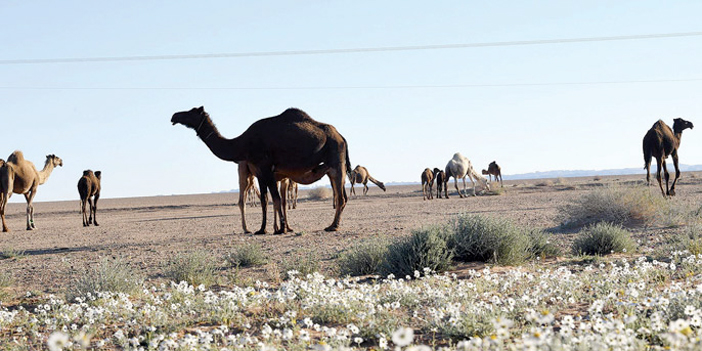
point(425, 248)
point(112, 276)
point(690, 239)
point(603, 239)
point(195, 268)
point(485, 239)
point(364, 258)
point(540, 244)
point(9, 252)
point(247, 255)
point(613, 204)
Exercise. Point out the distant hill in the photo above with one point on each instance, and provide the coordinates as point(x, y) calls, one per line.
point(602, 172)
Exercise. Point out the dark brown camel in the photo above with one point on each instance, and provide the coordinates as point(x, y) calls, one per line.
point(427, 184)
point(89, 190)
point(440, 179)
point(494, 170)
point(290, 145)
point(360, 175)
point(660, 142)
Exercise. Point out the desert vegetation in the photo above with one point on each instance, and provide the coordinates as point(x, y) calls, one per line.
point(621, 268)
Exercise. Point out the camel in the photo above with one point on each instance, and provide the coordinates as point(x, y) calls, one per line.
point(427, 184)
point(89, 190)
point(290, 145)
point(254, 195)
point(460, 167)
point(660, 142)
point(19, 176)
point(494, 170)
point(440, 178)
point(360, 175)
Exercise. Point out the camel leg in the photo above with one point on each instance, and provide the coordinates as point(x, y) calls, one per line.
point(667, 177)
point(353, 192)
point(431, 192)
point(659, 169)
point(30, 210)
point(83, 211)
point(95, 201)
point(283, 205)
point(464, 187)
point(3, 202)
point(245, 184)
point(365, 188)
point(455, 183)
point(295, 197)
point(336, 178)
point(677, 172)
point(90, 210)
point(264, 204)
point(424, 192)
point(275, 195)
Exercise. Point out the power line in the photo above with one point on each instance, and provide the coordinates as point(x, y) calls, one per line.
point(347, 51)
point(442, 86)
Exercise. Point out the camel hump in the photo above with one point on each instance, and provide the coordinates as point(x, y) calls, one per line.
point(87, 172)
point(98, 174)
point(16, 156)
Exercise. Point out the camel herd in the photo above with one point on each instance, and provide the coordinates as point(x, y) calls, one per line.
point(458, 167)
point(282, 151)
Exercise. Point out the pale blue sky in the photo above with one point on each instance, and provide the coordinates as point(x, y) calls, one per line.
point(115, 116)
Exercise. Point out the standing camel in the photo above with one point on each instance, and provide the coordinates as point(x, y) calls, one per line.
point(440, 179)
point(19, 176)
point(660, 142)
point(360, 175)
point(494, 170)
point(427, 183)
point(89, 190)
point(290, 145)
point(292, 195)
point(460, 167)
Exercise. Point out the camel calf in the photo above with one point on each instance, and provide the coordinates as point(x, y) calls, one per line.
point(427, 183)
point(89, 190)
point(360, 175)
point(494, 170)
point(440, 178)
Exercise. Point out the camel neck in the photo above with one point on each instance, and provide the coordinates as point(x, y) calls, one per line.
point(223, 148)
point(46, 172)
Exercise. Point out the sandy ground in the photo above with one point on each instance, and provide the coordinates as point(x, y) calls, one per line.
point(146, 232)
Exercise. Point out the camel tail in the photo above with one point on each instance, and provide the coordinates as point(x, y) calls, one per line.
point(377, 182)
point(647, 157)
point(348, 161)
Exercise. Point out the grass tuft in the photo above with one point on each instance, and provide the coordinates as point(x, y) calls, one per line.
point(246, 255)
point(365, 257)
point(603, 239)
point(320, 193)
point(627, 206)
point(486, 239)
point(425, 248)
point(195, 268)
point(113, 276)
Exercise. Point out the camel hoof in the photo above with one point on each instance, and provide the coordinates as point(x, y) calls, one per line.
point(96, 224)
point(260, 232)
point(331, 228)
point(279, 232)
point(247, 231)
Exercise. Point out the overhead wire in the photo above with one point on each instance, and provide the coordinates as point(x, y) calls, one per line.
point(345, 51)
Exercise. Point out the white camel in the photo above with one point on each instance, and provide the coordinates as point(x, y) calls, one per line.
point(460, 167)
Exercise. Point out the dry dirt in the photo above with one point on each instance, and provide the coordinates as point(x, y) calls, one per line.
point(146, 232)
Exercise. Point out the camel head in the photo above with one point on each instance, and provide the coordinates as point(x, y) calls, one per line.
point(54, 160)
point(435, 171)
point(191, 119)
point(485, 172)
point(98, 174)
point(680, 124)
